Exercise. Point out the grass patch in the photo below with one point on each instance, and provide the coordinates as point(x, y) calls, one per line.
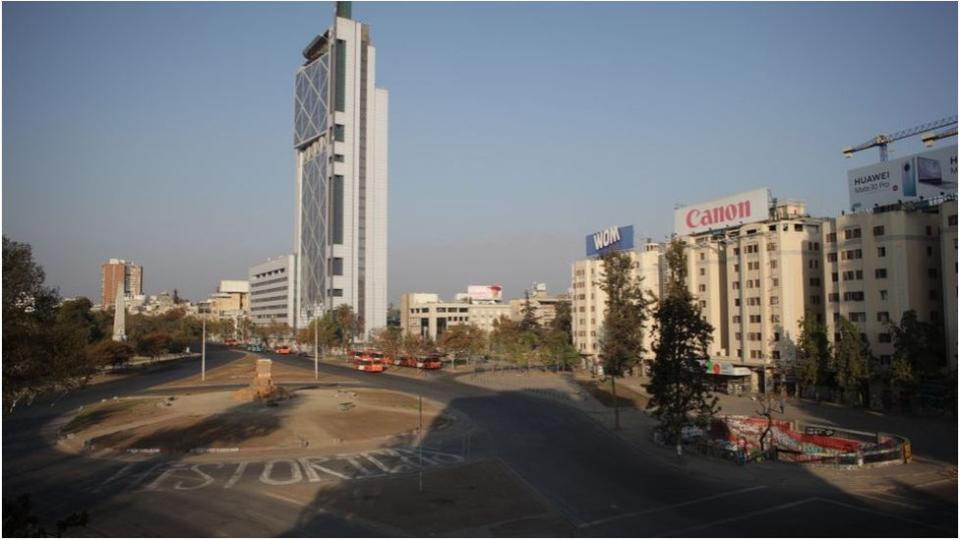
point(626, 397)
point(110, 411)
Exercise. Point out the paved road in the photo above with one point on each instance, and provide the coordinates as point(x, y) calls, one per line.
point(601, 486)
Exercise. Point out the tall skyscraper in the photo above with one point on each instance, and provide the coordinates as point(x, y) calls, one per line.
point(340, 139)
point(116, 271)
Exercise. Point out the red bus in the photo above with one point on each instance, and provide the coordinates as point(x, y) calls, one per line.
point(431, 361)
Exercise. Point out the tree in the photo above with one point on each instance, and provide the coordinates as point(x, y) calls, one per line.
point(389, 340)
point(78, 312)
point(506, 342)
point(347, 324)
point(463, 340)
point(415, 345)
point(679, 382)
point(110, 353)
point(851, 357)
point(627, 310)
point(919, 348)
point(813, 353)
point(559, 352)
point(19, 520)
point(529, 321)
point(563, 319)
point(41, 352)
point(326, 332)
point(154, 344)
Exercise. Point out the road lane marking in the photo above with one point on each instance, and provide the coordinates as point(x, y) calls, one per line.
point(669, 507)
point(115, 476)
point(860, 495)
point(241, 468)
point(686, 531)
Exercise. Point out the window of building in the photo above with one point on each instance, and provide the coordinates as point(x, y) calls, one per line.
point(884, 338)
point(814, 264)
point(952, 220)
point(755, 318)
point(775, 282)
point(814, 282)
point(336, 227)
point(339, 133)
point(772, 228)
point(736, 319)
point(338, 158)
point(853, 296)
point(775, 319)
point(932, 272)
point(702, 288)
point(831, 257)
point(929, 251)
point(881, 251)
point(833, 297)
point(878, 230)
point(703, 304)
point(858, 316)
point(815, 300)
point(774, 300)
point(850, 234)
point(934, 315)
point(929, 230)
point(933, 295)
point(776, 355)
point(736, 268)
point(883, 294)
point(701, 256)
point(736, 251)
point(736, 302)
point(340, 92)
point(773, 263)
point(798, 227)
point(736, 284)
point(703, 271)
point(883, 316)
point(335, 292)
point(880, 273)
point(772, 246)
point(833, 277)
point(831, 238)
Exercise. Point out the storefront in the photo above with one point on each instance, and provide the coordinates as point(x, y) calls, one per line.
point(727, 378)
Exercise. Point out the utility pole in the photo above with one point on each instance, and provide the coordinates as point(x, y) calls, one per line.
point(316, 353)
point(420, 433)
point(203, 352)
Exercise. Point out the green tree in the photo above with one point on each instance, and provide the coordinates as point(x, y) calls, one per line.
point(813, 353)
point(559, 352)
point(919, 347)
point(529, 321)
point(389, 340)
point(154, 344)
point(41, 352)
point(78, 312)
point(348, 325)
point(326, 329)
point(679, 383)
point(851, 358)
point(627, 313)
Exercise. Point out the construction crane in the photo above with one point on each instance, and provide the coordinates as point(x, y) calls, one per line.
point(881, 141)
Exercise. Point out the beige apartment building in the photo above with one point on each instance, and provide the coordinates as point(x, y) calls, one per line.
point(879, 264)
point(425, 315)
point(589, 302)
point(948, 269)
point(754, 282)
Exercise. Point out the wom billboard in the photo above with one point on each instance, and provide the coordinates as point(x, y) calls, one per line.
point(607, 240)
point(718, 214)
point(926, 175)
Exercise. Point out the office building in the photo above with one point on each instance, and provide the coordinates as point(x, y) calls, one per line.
point(432, 319)
point(408, 300)
point(231, 300)
point(271, 291)
point(117, 271)
point(340, 140)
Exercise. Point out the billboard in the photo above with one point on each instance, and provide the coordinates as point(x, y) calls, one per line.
point(925, 175)
point(611, 239)
point(485, 292)
point(731, 211)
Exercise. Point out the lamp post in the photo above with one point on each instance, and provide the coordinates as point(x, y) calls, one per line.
point(203, 352)
point(316, 352)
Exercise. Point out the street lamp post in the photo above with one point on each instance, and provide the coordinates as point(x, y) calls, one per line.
point(203, 352)
point(316, 352)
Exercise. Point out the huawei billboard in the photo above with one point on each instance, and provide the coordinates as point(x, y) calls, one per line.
point(926, 175)
point(717, 214)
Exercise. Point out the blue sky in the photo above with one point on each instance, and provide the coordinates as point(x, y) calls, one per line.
point(161, 132)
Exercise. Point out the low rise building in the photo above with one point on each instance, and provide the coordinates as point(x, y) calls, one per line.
point(271, 291)
point(543, 305)
point(424, 314)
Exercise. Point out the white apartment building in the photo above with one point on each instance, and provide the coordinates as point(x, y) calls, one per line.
point(340, 139)
point(948, 269)
point(589, 302)
point(424, 315)
point(879, 264)
point(272, 291)
point(543, 305)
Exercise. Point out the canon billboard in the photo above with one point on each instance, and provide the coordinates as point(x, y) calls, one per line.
point(485, 292)
point(926, 175)
point(718, 214)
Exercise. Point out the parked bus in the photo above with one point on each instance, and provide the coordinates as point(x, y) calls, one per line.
point(369, 361)
point(429, 361)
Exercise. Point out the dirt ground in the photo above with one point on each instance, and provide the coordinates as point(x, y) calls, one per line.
point(477, 499)
point(115, 413)
point(310, 418)
point(626, 397)
point(242, 371)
